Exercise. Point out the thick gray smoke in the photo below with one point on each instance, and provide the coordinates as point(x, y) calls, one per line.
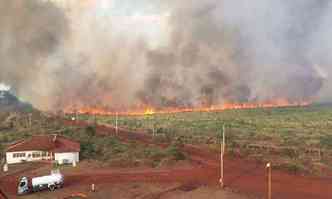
point(162, 53)
point(30, 31)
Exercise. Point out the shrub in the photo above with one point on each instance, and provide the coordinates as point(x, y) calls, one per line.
point(67, 132)
point(155, 154)
point(294, 168)
point(175, 153)
point(326, 141)
point(290, 152)
point(119, 148)
point(90, 131)
point(88, 149)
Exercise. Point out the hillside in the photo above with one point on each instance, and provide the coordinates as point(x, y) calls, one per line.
point(10, 103)
point(13, 112)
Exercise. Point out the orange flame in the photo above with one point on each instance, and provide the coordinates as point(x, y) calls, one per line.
point(151, 111)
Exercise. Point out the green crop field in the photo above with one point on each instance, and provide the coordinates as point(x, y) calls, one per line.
point(300, 137)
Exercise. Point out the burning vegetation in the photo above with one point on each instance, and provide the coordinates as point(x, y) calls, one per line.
point(158, 57)
point(166, 110)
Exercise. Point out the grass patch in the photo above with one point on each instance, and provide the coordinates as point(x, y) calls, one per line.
point(285, 131)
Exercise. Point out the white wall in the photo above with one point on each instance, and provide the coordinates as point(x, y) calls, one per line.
point(28, 157)
point(60, 157)
point(69, 157)
point(11, 160)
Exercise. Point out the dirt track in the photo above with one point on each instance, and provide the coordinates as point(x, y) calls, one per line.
point(248, 177)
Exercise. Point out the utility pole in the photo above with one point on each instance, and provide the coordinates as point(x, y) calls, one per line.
point(26, 122)
point(116, 123)
point(30, 120)
point(76, 115)
point(269, 179)
point(222, 153)
point(153, 130)
point(153, 125)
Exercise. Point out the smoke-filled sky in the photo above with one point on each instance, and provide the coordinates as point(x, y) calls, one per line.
point(165, 53)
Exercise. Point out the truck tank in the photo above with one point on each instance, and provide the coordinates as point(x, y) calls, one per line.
point(51, 182)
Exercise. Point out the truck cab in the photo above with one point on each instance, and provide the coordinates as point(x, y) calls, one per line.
point(23, 186)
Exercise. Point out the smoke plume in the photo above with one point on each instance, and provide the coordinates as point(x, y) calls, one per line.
point(121, 54)
point(30, 32)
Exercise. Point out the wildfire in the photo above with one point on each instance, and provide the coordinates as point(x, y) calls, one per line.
point(151, 111)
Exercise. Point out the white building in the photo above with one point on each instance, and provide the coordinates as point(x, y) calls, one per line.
point(44, 148)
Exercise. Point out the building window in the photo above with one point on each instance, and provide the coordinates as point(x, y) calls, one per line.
point(18, 155)
point(36, 155)
point(44, 154)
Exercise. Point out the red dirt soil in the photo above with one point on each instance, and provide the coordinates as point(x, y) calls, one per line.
point(242, 175)
point(2, 195)
point(248, 177)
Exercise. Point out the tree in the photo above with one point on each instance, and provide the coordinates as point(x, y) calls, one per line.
point(90, 131)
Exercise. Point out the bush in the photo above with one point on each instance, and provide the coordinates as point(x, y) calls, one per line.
point(88, 149)
point(155, 154)
point(90, 131)
point(175, 153)
point(290, 153)
point(67, 132)
point(119, 148)
point(293, 167)
point(326, 141)
point(179, 141)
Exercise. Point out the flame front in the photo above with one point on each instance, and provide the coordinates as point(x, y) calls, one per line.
point(147, 110)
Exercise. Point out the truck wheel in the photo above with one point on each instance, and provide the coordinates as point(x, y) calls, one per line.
point(51, 187)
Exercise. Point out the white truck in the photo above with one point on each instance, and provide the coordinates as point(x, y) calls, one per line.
point(51, 182)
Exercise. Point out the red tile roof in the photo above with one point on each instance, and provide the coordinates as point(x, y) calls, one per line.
point(51, 143)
